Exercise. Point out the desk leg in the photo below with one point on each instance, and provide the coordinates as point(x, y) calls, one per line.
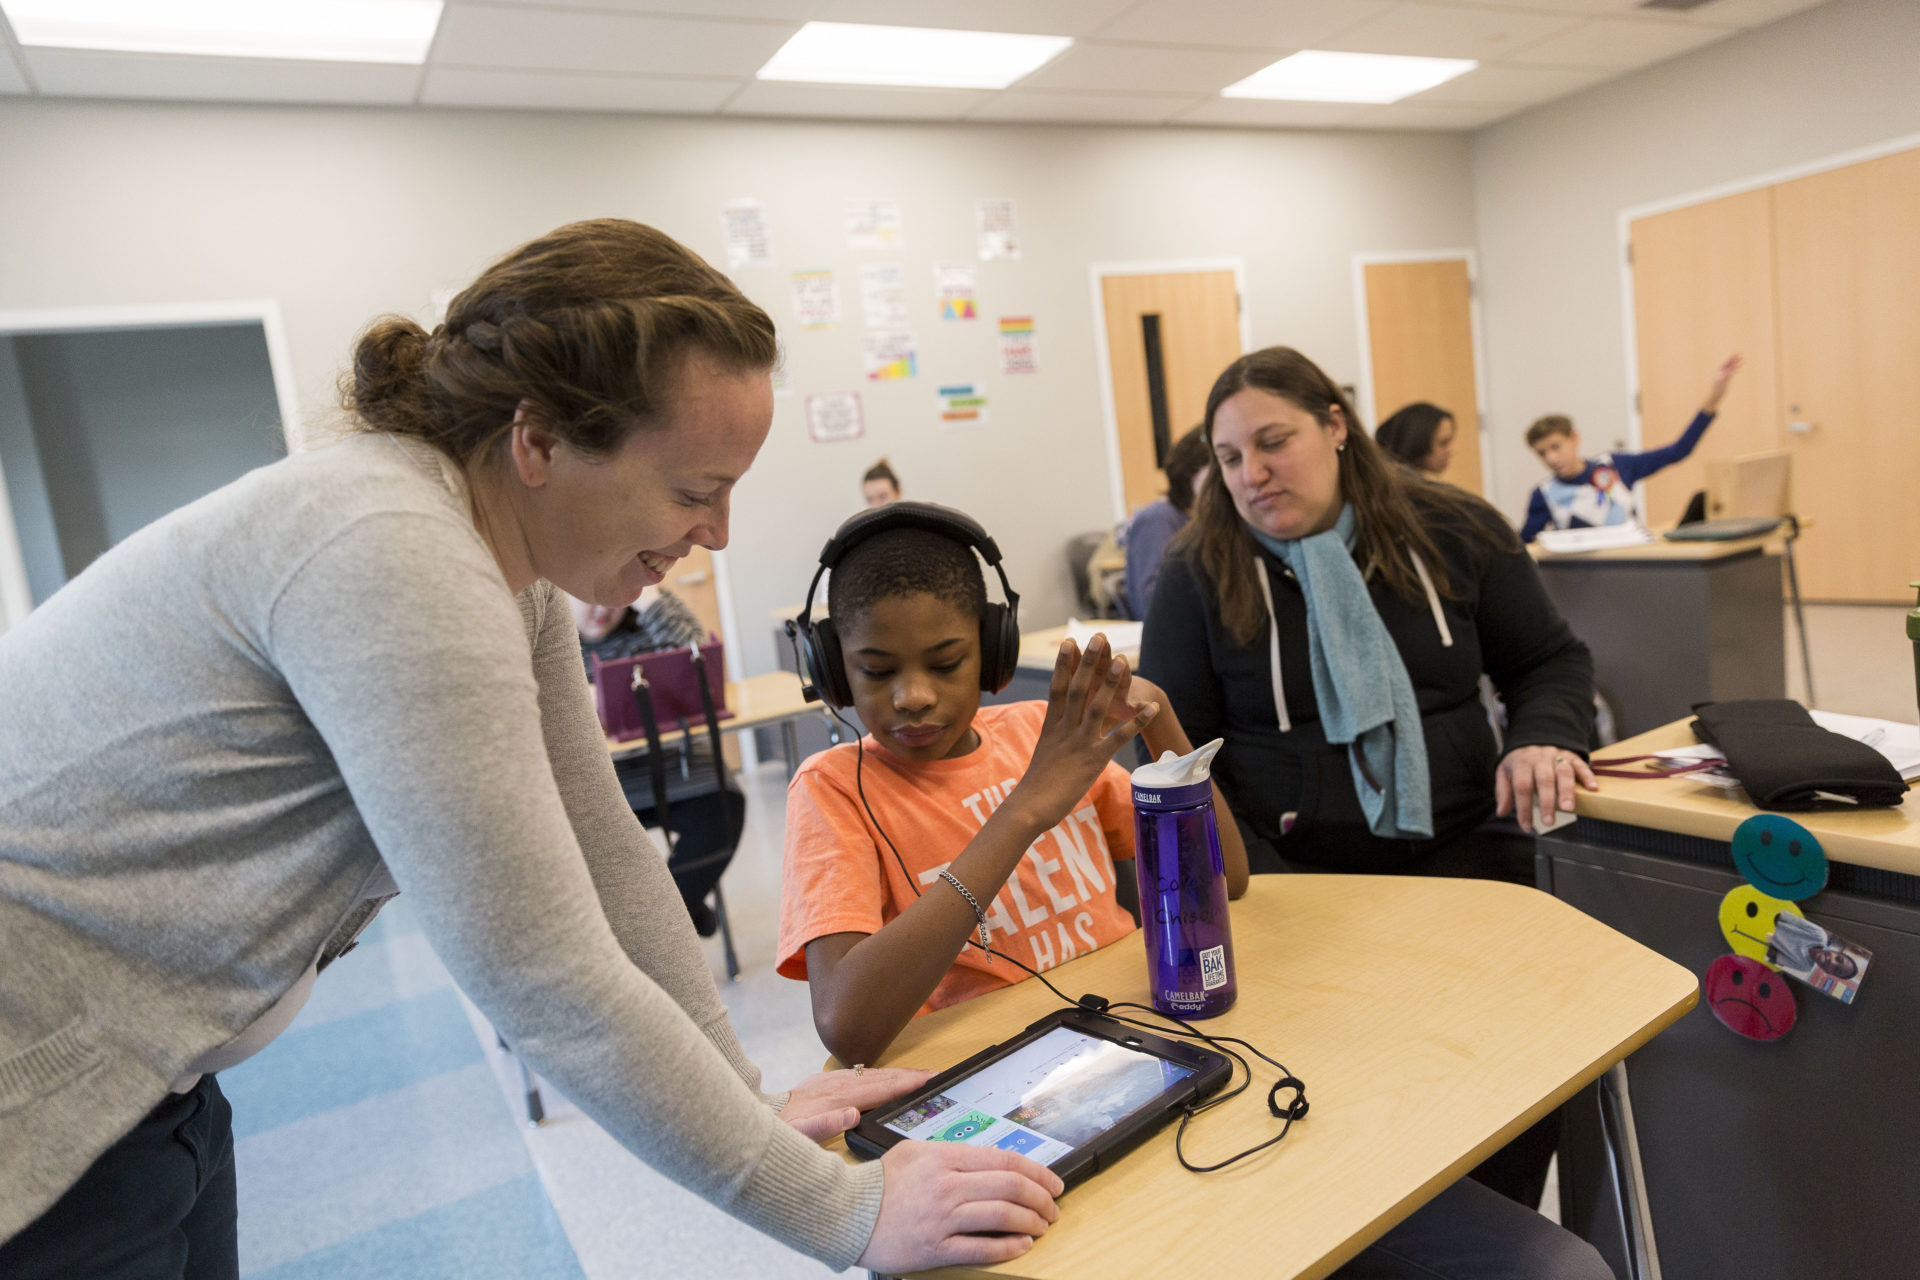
point(726, 935)
point(1623, 1150)
point(1800, 622)
point(790, 743)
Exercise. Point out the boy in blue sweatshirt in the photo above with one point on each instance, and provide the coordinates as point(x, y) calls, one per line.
point(1585, 492)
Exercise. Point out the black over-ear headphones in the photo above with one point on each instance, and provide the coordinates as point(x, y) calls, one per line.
point(826, 672)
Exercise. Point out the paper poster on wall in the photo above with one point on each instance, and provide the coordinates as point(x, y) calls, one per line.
point(743, 223)
point(883, 295)
point(890, 356)
point(1016, 345)
point(816, 299)
point(953, 285)
point(996, 227)
point(872, 224)
point(834, 416)
point(963, 404)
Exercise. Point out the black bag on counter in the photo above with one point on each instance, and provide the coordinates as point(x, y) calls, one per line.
point(1783, 758)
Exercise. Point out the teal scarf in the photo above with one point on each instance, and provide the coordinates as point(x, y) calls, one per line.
point(1366, 699)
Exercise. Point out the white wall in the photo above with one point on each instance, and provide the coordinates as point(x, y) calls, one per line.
point(1550, 184)
point(340, 214)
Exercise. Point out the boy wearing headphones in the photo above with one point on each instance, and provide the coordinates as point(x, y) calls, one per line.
point(950, 819)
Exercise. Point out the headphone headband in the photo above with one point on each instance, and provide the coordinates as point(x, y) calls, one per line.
point(930, 516)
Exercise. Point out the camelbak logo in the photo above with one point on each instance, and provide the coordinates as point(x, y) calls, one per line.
point(1145, 798)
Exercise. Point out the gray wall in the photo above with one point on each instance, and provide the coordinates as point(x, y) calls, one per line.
point(1550, 185)
point(39, 540)
point(341, 214)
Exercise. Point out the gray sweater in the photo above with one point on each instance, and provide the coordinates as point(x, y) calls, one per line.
point(207, 741)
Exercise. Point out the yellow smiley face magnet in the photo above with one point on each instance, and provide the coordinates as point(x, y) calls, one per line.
point(1746, 917)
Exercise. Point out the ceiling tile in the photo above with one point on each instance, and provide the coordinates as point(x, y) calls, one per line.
point(87, 73)
point(1120, 68)
point(782, 98)
point(794, 11)
point(1441, 31)
point(1419, 115)
point(1088, 108)
point(1030, 17)
point(1242, 24)
point(1264, 112)
point(1748, 13)
point(1617, 44)
point(572, 91)
point(11, 80)
point(1578, 8)
point(571, 40)
point(1518, 85)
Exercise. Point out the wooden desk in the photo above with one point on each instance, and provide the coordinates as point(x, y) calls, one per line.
point(1039, 649)
point(1432, 1020)
point(1675, 623)
point(1884, 838)
point(1737, 1139)
point(758, 702)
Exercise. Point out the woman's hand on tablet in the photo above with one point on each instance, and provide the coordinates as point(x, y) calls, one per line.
point(829, 1103)
point(942, 1199)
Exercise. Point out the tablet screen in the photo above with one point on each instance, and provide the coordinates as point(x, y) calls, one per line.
point(1045, 1099)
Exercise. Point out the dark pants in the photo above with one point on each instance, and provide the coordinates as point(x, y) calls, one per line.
point(157, 1205)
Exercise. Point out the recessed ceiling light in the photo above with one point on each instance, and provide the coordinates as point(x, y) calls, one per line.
point(328, 30)
point(856, 53)
point(1314, 75)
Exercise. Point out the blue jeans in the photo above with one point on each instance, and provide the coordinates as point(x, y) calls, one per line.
point(1471, 1232)
point(157, 1205)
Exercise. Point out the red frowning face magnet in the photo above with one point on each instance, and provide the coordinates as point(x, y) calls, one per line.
point(1749, 998)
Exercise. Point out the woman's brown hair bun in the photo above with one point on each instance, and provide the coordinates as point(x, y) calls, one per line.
point(587, 324)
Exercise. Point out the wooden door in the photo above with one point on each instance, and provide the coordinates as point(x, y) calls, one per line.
point(1168, 337)
point(1420, 339)
point(1702, 290)
point(1847, 262)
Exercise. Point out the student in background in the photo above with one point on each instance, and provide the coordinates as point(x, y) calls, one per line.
point(1588, 492)
point(880, 486)
point(1420, 435)
point(1154, 525)
point(706, 817)
point(868, 916)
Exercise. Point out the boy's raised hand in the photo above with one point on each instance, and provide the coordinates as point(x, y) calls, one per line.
point(1721, 377)
point(1088, 719)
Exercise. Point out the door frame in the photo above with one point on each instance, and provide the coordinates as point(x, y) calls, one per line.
point(1369, 411)
point(16, 597)
point(1097, 273)
point(1625, 219)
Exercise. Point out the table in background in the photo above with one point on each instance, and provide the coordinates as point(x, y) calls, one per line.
point(1764, 1161)
point(1432, 1020)
point(765, 701)
point(1034, 670)
point(1675, 623)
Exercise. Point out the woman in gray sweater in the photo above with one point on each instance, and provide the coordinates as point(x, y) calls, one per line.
point(194, 824)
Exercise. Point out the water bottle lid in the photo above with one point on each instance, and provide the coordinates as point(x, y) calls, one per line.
point(1177, 782)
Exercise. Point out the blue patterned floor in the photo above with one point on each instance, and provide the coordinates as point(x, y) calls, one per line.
point(372, 1140)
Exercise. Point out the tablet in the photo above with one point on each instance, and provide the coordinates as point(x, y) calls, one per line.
point(1073, 1091)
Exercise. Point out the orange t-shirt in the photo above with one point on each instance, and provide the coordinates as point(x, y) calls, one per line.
point(842, 878)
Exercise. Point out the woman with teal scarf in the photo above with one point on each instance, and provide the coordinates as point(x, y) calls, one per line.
point(1330, 614)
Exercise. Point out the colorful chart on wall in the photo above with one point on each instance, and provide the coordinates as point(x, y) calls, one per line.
point(963, 404)
point(872, 224)
point(816, 299)
point(1746, 918)
point(953, 284)
point(743, 224)
point(1750, 999)
point(890, 356)
point(834, 416)
point(1780, 857)
point(1017, 354)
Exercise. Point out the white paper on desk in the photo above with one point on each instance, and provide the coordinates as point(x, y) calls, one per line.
point(1598, 538)
point(1899, 743)
point(1124, 637)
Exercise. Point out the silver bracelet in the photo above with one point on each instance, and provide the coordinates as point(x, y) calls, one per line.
point(978, 913)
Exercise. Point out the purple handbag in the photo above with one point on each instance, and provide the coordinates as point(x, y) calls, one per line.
point(672, 675)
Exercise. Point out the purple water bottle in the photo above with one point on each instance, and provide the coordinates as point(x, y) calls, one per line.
point(1183, 886)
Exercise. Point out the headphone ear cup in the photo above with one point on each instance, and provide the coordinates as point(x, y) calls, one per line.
point(825, 667)
point(999, 647)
